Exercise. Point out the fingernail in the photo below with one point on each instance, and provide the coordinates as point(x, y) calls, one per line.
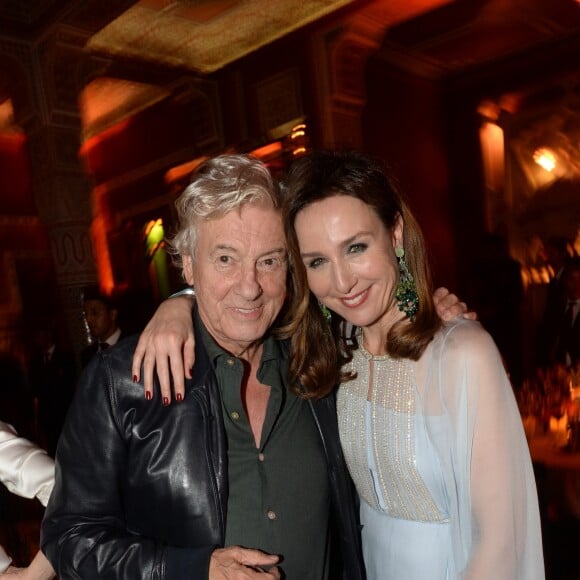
point(165, 401)
point(148, 395)
point(179, 397)
point(135, 379)
point(190, 371)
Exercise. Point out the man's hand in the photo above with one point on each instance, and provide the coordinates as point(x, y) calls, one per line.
point(13, 572)
point(39, 569)
point(235, 563)
point(167, 337)
point(449, 307)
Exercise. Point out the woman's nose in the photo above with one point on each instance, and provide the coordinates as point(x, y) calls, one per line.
point(344, 278)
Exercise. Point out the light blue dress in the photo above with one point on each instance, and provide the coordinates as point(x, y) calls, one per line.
point(438, 454)
point(390, 544)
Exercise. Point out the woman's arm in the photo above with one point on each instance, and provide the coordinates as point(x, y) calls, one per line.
point(498, 515)
point(167, 343)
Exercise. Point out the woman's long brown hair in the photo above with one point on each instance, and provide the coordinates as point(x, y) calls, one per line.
point(320, 349)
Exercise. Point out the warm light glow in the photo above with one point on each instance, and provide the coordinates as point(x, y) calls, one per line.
point(267, 151)
point(183, 171)
point(545, 159)
point(493, 155)
point(154, 231)
point(99, 229)
point(105, 101)
point(299, 139)
point(155, 252)
point(7, 117)
point(154, 236)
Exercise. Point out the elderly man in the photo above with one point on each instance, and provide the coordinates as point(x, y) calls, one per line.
point(240, 479)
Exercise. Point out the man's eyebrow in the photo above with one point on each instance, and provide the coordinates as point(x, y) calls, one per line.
point(278, 252)
point(224, 247)
point(221, 247)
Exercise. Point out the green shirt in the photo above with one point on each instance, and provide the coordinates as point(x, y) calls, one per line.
point(278, 494)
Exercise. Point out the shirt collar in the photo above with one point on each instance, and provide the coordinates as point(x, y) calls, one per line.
point(271, 348)
point(113, 339)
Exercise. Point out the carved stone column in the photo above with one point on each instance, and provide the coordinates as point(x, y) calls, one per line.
point(340, 55)
point(45, 106)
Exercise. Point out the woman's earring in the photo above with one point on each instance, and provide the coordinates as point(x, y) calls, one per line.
point(406, 295)
point(325, 312)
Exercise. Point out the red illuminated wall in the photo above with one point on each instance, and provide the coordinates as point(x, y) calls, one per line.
point(403, 124)
point(15, 194)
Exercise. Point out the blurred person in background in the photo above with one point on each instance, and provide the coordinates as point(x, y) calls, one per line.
point(27, 471)
point(101, 314)
point(564, 332)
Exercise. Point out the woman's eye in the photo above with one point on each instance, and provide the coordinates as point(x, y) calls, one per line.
point(357, 248)
point(315, 263)
point(224, 259)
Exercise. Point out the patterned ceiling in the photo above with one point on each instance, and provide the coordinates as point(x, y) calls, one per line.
point(204, 35)
point(429, 37)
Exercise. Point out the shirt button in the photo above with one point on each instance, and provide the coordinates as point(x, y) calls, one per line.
point(271, 515)
point(261, 456)
point(235, 415)
point(231, 362)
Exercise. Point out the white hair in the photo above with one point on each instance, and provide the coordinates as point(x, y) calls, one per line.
point(220, 185)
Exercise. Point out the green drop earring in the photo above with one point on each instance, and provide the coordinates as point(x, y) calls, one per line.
point(406, 295)
point(325, 312)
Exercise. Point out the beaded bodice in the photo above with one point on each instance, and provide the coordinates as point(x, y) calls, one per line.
point(393, 405)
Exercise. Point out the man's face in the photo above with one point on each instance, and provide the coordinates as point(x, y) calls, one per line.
point(239, 274)
point(101, 320)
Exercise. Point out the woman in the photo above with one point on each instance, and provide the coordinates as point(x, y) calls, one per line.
point(28, 471)
point(427, 418)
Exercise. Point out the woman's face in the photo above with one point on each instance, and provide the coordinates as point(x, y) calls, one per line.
point(350, 259)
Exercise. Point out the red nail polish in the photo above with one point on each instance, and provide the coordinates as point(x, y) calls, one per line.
point(165, 401)
point(148, 395)
point(135, 379)
point(179, 397)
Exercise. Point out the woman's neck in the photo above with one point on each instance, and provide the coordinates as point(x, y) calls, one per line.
point(374, 336)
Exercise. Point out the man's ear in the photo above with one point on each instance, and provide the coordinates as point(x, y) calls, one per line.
point(188, 269)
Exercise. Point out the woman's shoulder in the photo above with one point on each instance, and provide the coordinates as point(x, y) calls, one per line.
point(463, 337)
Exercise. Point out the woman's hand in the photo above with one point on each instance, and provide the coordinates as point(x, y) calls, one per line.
point(167, 337)
point(449, 307)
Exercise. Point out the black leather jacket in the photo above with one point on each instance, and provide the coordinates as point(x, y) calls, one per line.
point(141, 489)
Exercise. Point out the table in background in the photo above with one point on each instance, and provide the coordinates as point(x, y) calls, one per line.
point(558, 478)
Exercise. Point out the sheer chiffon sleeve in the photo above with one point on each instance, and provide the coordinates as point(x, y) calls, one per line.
point(490, 480)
